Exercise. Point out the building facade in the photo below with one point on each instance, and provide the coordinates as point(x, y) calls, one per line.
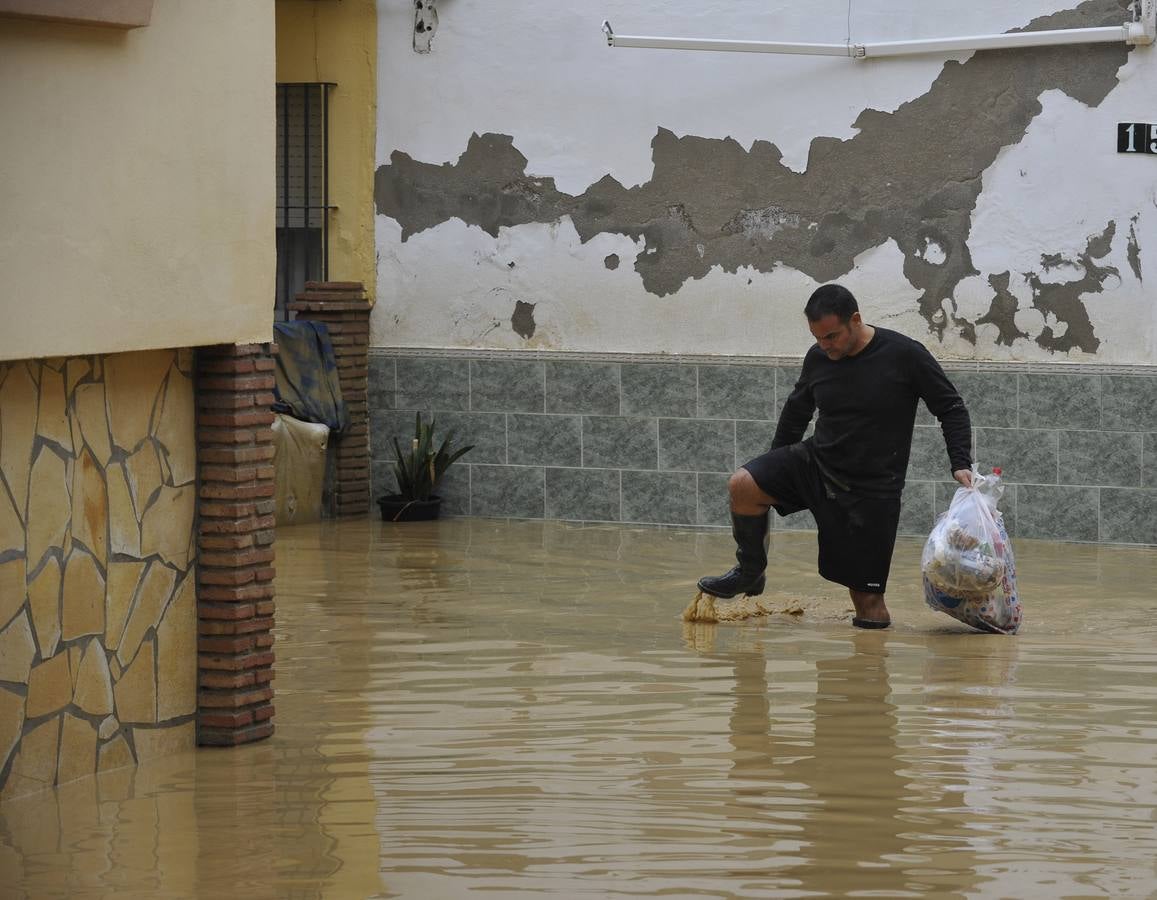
point(593, 260)
point(137, 190)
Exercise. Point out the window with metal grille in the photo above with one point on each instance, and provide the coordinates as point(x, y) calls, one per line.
point(303, 206)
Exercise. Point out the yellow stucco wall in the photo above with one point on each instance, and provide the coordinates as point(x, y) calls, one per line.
point(137, 183)
point(337, 42)
point(98, 616)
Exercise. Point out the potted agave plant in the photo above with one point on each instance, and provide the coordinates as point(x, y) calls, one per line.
point(418, 472)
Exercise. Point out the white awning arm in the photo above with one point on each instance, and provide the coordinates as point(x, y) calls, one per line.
point(674, 43)
point(1141, 31)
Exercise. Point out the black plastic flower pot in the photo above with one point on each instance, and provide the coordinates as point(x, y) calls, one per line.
point(396, 508)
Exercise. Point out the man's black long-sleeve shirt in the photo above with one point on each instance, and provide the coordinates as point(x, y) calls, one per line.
point(867, 409)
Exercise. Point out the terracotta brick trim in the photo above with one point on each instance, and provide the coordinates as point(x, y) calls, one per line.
point(344, 309)
point(235, 534)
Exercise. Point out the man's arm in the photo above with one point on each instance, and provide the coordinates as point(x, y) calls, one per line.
point(946, 404)
point(796, 414)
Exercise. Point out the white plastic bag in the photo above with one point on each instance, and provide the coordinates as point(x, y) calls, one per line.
point(968, 567)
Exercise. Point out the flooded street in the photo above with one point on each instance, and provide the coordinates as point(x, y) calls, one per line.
point(494, 708)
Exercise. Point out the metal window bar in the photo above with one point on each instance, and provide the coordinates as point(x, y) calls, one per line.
point(303, 205)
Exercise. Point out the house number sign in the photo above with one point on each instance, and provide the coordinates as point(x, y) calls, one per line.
point(1136, 137)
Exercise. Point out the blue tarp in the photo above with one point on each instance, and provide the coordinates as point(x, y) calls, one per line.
point(308, 387)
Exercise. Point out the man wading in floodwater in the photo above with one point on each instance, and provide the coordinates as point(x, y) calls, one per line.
point(866, 383)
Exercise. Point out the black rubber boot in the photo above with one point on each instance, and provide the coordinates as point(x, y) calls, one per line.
point(751, 537)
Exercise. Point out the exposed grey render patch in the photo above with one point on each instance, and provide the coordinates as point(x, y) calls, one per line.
point(763, 222)
point(612, 261)
point(1134, 249)
point(425, 24)
point(1051, 261)
point(487, 187)
point(1002, 312)
point(912, 176)
point(1063, 299)
point(523, 319)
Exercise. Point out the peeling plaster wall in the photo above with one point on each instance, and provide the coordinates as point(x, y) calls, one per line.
point(536, 189)
point(137, 181)
point(98, 633)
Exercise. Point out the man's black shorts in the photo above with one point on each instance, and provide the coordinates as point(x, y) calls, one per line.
point(856, 534)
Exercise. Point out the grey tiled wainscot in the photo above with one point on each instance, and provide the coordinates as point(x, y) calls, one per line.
point(600, 437)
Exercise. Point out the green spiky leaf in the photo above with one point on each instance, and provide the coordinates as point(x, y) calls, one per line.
point(419, 469)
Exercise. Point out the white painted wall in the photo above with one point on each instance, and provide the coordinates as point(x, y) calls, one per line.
point(579, 110)
point(137, 181)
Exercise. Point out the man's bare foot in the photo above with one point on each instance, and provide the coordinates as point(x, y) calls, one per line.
point(871, 611)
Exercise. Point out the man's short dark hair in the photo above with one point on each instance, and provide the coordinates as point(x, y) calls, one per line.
point(831, 299)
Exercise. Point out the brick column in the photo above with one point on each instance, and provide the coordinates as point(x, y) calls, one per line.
point(235, 543)
point(343, 308)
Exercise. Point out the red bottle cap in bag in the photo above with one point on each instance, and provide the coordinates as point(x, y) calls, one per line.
point(996, 471)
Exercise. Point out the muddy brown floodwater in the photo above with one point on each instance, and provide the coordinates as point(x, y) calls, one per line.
point(502, 709)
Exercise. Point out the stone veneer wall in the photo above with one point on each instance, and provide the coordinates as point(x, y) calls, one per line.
point(621, 438)
point(97, 595)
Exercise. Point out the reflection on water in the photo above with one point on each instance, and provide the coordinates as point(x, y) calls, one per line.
point(838, 785)
point(504, 708)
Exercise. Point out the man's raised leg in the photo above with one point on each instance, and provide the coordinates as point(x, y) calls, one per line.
point(750, 528)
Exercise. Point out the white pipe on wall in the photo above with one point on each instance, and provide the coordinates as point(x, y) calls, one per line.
point(1140, 32)
point(670, 43)
point(1058, 37)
